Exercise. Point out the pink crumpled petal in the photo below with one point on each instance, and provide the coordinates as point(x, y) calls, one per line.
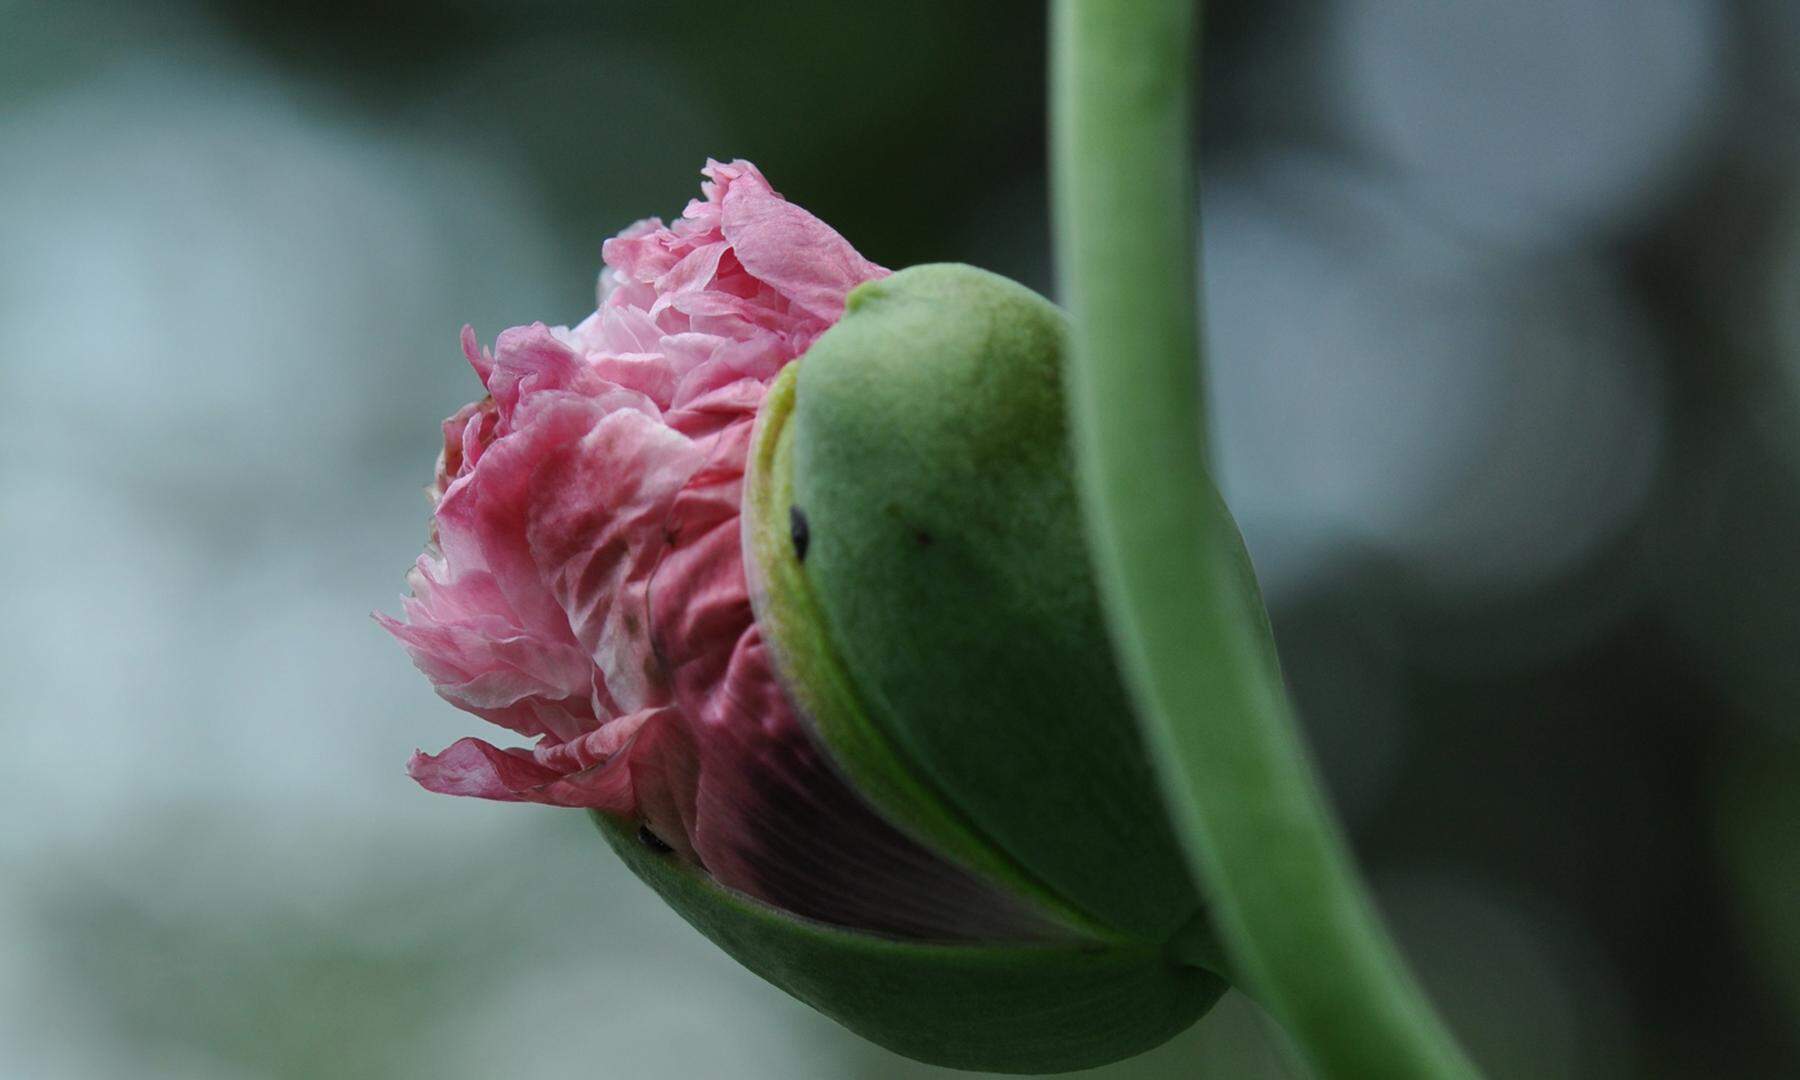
point(584, 584)
point(787, 248)
point(642, 765)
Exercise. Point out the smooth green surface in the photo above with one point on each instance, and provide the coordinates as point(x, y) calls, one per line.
point(951, 578)
point(1287, 900)
point(1004, 1008)
point(813, 674)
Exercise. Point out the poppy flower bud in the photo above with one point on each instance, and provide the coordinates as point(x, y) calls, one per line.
point(901, 782)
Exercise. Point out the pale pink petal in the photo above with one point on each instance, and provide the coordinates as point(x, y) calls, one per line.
point(530, 359)
point(479, 358)
point(790, 249)
point(640, 253)
point(479, 769)
point(595, 527)
point(481, 519)
point(646, 767)
point(466, 435)
point(758, 358)
point(691, 275)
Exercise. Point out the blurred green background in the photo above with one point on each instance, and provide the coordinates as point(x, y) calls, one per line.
point(1504, 300)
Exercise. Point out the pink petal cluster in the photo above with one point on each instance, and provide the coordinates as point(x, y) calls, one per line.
point(585, 583)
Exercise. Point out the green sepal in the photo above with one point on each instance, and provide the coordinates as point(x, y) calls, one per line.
point(824, 693)
point(949, 579)
point(1001, 1008)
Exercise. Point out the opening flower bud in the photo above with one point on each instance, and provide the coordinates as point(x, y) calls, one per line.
point(902, 783)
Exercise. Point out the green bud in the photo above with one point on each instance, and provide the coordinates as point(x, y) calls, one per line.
point(920, 571)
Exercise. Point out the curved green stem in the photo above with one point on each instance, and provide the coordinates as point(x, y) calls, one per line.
point(1295, 919)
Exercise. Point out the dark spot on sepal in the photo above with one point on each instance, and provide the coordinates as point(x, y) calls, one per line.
point(799, 532)
point(923, 538)
point(652, 841)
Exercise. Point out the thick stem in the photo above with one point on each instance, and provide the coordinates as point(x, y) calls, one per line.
point(1294, 916)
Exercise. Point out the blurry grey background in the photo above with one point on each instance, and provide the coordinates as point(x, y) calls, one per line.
point(1504, 300)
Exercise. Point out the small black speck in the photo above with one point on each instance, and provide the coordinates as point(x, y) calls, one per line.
point(652, 841)
point(922, 538)
point(797, 529)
